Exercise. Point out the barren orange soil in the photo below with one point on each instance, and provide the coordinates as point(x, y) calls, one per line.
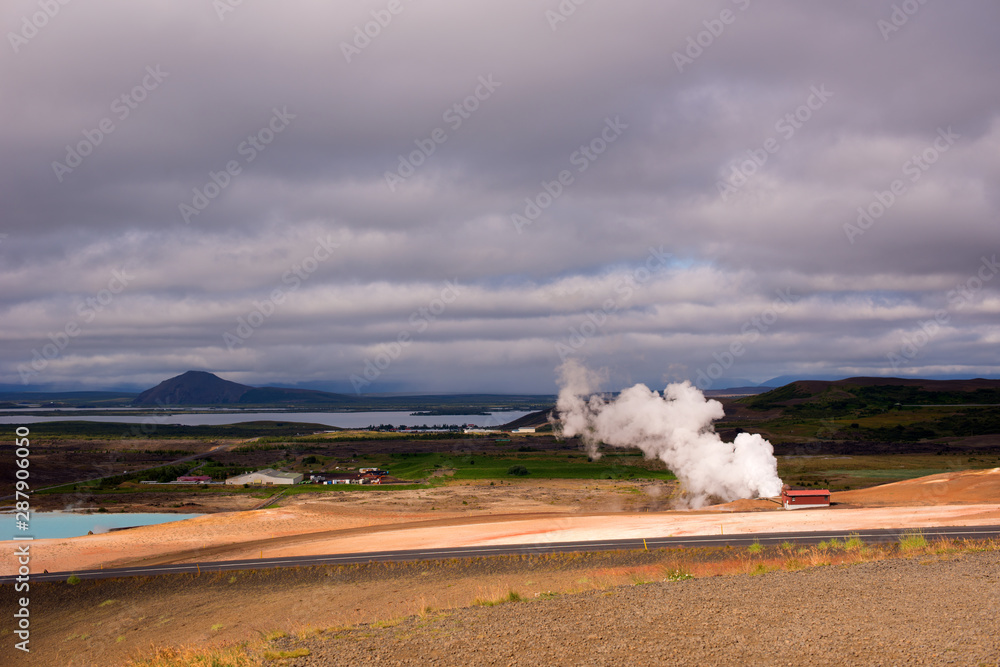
point(507, 515)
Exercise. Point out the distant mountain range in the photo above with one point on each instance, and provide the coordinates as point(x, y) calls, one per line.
point(201, 388)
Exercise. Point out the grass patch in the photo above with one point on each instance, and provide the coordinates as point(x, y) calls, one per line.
point(307, 632)
point(73, 580)
point(512, 596)
point(756, 547)
point(912, 541)
point(281, 655)
point(794, 564)
point(540, 465)
point(107, 603)
point(853, 543)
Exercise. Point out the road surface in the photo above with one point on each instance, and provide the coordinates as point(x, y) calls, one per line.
point(881, 535)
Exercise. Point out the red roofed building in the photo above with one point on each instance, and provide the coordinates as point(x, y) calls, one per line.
point(194, 479)
point(793, 499)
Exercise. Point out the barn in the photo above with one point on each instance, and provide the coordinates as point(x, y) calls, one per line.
point(267, 476)
point(793, 499)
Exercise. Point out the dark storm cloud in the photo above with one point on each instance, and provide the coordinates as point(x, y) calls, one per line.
point(274, 168)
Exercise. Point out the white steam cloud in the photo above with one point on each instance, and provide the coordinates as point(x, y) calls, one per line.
point(676, 428)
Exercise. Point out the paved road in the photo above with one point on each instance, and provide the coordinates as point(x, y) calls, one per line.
point(884, 535)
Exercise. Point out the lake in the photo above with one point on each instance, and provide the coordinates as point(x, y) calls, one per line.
point(339, 419)
point(74, 524)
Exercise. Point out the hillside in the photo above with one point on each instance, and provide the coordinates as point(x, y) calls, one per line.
point(535, 419)
point(807, 397)
point(866, 415)
point(278, 395)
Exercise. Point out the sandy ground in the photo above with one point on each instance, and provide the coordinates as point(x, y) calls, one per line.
point(510, 514)
point(668, 524)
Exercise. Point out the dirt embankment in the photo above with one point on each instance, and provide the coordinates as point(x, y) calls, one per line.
point(101, 622)
point(953, 488)
point(895, 612)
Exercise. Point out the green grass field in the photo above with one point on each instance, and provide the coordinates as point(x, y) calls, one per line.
point(540, 465)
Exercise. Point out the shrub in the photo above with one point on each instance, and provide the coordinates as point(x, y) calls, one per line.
point(73, 580)
point(519, 471)
point(912, 540)
point(853, 542)
point(512, 596)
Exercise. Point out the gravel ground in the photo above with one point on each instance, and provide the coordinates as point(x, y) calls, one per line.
point(919, 611)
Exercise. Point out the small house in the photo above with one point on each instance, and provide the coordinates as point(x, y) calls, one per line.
point(793, 499)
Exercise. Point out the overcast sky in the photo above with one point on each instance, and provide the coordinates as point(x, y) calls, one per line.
point(399, 195)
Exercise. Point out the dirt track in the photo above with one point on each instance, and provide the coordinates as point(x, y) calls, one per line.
point(913, 612)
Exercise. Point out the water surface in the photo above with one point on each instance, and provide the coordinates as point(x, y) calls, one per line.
point(339, 419)
point(74, 524)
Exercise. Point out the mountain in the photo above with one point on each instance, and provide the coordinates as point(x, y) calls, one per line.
point(201, 388)
point(736, 391)
point(278, 395)
point(192, 388)
point(782, 380)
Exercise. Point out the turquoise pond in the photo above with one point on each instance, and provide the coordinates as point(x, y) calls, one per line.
point(74, 524)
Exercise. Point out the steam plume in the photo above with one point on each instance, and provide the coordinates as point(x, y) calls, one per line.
point(676, 428)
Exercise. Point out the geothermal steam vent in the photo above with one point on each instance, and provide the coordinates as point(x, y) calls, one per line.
point(676, 428)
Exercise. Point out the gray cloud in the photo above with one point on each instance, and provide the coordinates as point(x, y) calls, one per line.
point(201, 92)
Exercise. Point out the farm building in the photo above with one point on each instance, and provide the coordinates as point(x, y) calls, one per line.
point(266, 476)
point(194, 479)
point(525, 429)
point(340, 478)
point(363, 476)
point(793, 499)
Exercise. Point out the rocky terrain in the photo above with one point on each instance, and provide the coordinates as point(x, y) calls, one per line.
point(920, 611)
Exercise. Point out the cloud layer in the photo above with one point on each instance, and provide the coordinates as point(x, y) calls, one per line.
point(448, 196)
